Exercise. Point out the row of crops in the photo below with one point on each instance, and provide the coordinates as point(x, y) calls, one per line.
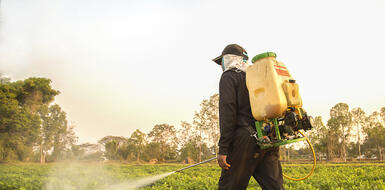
point(102, 177)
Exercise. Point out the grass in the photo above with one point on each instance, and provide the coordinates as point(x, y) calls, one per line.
point(68, 176)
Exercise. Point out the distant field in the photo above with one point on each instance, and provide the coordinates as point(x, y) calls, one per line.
point(118, 176)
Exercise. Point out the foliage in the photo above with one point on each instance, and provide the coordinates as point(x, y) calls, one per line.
point(18, 126)
point(137, 143)
point(27, 121)
point(86, 151)
point(111, 150)
point(56, 135)
point(96, 176)
point(115, 147)
point(35, 92)
point(191, 149)
point(358, 120)
point(340, 126)
point(164, 136)
point(206, 122)
point(375, 140)
point(319, 137)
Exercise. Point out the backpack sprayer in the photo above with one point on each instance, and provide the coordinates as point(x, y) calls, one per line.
point(276, 106)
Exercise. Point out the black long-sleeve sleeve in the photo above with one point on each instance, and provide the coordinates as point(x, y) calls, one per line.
point(234, 107)
point(227, 111)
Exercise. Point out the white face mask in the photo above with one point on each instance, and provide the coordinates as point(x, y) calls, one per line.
point(233, 61)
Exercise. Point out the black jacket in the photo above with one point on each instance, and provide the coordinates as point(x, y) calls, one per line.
point(234, 107)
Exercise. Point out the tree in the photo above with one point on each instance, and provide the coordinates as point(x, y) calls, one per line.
point(56, 135)
point(64, 136)
point(164, 136)
point(124, 151)
point(86, 151)
point(18, 127)
point(358, 120)
point(153, 150)
point(137, 143)
point(191, 149)
point(46, 133)
point(375, 138)
point(60, 126)
point(71, 138)
point(201, 125)
point(340, 126)
point(35, 92)
point(115, 147)
point(186, 133)
point(111, 150)
point(206, 122)
point(8, 110)
point(320, 139)
point(213, 122)
point(32, 94)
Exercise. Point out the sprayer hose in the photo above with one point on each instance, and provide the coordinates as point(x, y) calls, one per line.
point(314, 162)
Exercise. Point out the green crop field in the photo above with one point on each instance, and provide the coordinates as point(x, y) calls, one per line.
point(118, 176)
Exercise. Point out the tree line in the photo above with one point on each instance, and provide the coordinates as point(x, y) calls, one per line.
point(34, 129)
point(191, 143)
point(349, 133)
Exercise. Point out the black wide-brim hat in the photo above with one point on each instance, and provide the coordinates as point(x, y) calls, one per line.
point(233, 49)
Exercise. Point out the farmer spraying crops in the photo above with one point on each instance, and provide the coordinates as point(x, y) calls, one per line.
point(239, 155)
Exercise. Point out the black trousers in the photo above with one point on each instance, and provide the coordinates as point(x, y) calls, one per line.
point(246, 160)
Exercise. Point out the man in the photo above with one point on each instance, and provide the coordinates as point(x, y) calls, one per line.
point(239, 155)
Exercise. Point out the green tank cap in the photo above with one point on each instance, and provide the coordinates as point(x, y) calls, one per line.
point(263, 55)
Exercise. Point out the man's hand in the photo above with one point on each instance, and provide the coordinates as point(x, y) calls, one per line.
point(222, 162)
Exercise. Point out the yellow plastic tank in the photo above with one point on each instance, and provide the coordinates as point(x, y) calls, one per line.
point(271, 87)
point(291, 90)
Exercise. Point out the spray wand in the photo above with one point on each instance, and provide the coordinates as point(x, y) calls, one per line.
point(196, 164)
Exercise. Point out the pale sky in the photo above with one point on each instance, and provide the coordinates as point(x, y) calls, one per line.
point(126, 65)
